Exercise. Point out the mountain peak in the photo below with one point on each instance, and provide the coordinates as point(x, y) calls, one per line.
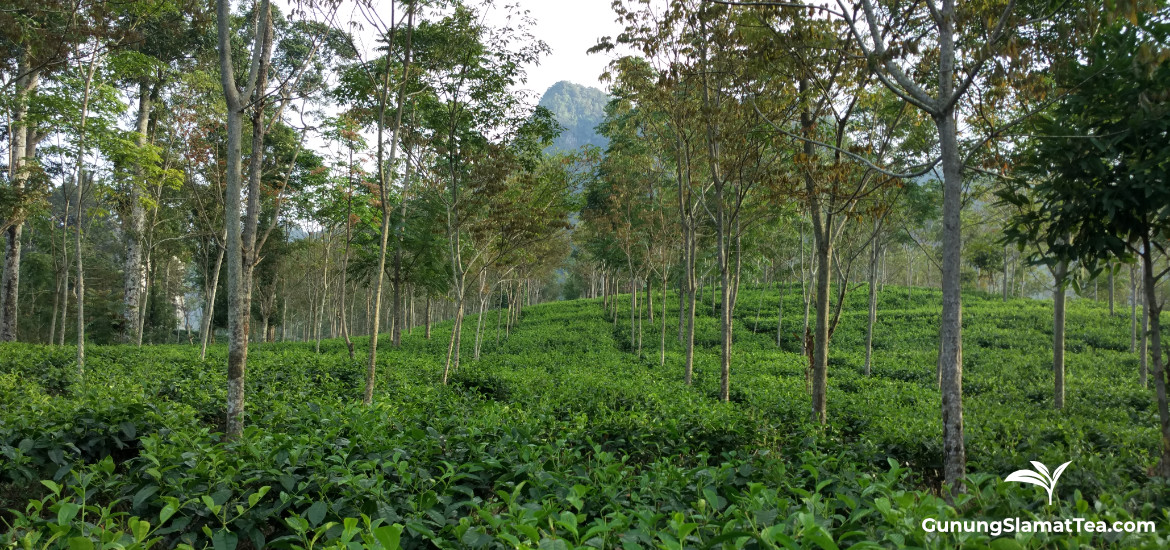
point(579, 109)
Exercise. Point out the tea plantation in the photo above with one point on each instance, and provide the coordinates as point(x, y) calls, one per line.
point(560, 436)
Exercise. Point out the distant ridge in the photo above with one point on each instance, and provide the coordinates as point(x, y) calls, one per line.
point(579, 109)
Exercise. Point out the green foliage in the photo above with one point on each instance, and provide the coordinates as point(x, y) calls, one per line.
point(1094, 184)
point(558, 439)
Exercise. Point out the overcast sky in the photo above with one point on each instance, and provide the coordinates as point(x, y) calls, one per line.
point(569, 27)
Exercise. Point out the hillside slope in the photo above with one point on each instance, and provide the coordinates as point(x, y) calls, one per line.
point(579, 109)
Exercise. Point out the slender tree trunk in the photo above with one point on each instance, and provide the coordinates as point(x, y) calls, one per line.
point(1058, 296)
point(640, 316)
point(284, 312)
point(456, 343)
point(80, 284)
point(82, 175)
point(325, 240)
point(682, 300)
point(662, 344)
point(1133, 313)
point(500, 312)
point(427, 318)
point(344, 261)
point(1153, 313)
point(384, 182)
point(64, 308)
point(692, 303)
point(820, 351)
point(1112, 312)
point(479, 318)
point(650, 300)
point(872, 306)
point(205, 332)
point(759, 303)
point(633, 308)
point(726, 303)
point(1144, 343)
point(1005, 273)
point(53, 317)
point(66, 264)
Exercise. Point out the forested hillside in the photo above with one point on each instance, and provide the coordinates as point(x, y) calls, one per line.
point(801, 275)
point(579, 110)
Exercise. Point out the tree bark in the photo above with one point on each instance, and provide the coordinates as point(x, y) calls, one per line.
point(18, 174)
point(134, 276)
point(241, 234)
point(950, 329)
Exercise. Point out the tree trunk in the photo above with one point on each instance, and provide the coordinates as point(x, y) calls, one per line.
point(1153, 314)
point(344, 261)
point(325, 240)
point(873, 265)
point(950, 329)
point(822, 225)
point(482, 307)
point(1133, 313)
point(1144, 345)
point(1005, 273)
point(81, 177)
point(284, 314)
point(662, 344)
point(134, 276)
point(780, 312)
point(205, 332)
point(21, 151)
point(1058, 296)
point(692, 303)
point(820, 351)
point(1111, 291)
point(383, 186)
point(241, 237)
point(682, 301)
point(427, 318)
point(453, 347)
point(640, 316)
point(53, 317)
point(650, 299)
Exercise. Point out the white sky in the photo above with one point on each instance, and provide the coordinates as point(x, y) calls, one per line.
point(569, 27)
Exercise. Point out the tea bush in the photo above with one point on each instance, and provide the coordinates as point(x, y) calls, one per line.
point(560, 436)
